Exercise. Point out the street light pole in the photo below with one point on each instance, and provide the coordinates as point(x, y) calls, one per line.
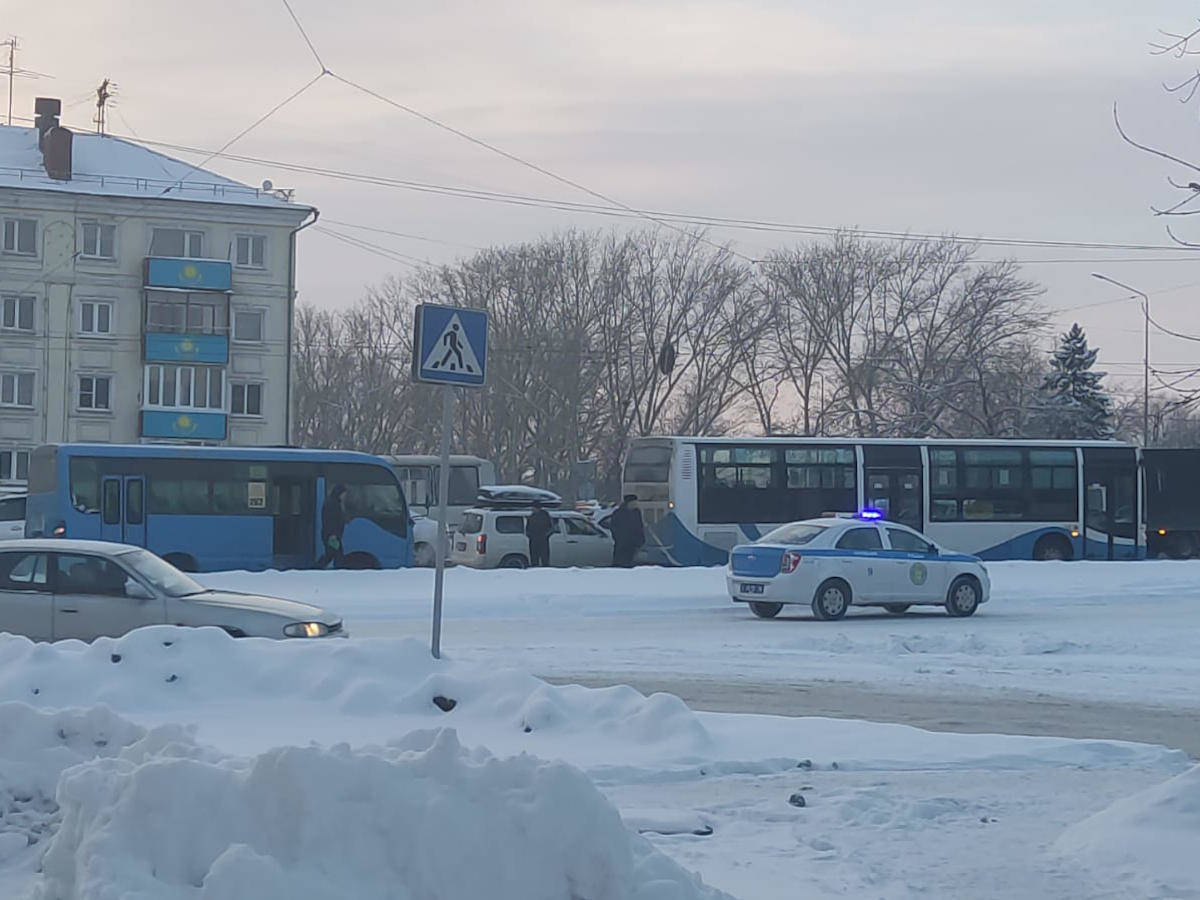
point(1145, 352)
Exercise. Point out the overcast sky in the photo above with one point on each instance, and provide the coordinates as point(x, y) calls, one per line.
point(934, 116)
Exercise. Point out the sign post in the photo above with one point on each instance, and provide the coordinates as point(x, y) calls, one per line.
point(449, 348)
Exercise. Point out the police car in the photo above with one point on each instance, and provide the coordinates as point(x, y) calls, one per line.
point(833, 563)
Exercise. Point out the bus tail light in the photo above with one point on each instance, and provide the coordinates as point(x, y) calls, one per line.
point(481, 544)
point(1074, 532)
point(789, 561)
point(59, 530)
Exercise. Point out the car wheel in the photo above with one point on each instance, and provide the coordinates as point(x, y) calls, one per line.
point(832, 600)
point(1053, 546)
point(963, 597)
point(181, 561)
point(424, 556)
point(765, 610)
point(514, 561)
point(897, 609)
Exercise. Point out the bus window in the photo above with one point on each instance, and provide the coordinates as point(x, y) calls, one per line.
point(464, 485)
point(371, 493)
point(85, 485)
point(416, 483)
point(648, 464)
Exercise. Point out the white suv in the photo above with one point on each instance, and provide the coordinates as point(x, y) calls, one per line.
point(495, 538)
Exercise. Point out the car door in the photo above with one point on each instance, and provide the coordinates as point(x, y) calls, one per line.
point(562, 554)
point(921, 574)
point(587, 544)
point(12, 518)
point(859, 561)
point(94, 596)
point(26, 604)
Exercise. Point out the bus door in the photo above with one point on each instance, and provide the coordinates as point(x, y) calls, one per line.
point(123, 509)
point(294, 506)
point(1110, 513)
point(893, 483)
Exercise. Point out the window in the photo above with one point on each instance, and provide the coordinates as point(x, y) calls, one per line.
point(16, 313)
point(510, 525)
point(416, 483)
point(249, 252)
point(791, 534)
point(1003, 484)
point(372, 493)
point(176, 242)
point(908, 542)
point(16, 389)
point(135, 505)
point(12, 509)
point(464, 484)
point(85, 484)
point(648, 465)
point(860, 539)
point(94, 391)
point(472, 523)
point(76, 574)
point(762, 484)
point(95, 317)
point(184, 387)
point(245, 398)
point(110, 506)
point(20, 236)
point(23, 571)
point(98, 240)
point(248, 325)
point(581, 526)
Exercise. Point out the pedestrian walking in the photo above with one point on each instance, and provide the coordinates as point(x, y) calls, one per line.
point(333, 526)
point(538, 528)
point(628, 531)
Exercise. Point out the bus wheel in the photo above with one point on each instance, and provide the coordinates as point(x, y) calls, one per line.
point(765, 610)
point(360, 560)
point(1053, 546)
point(514, 561)
point(424, 556)
point(963, 597)
point(181, 561)
point(897, 609)
point(832, 600)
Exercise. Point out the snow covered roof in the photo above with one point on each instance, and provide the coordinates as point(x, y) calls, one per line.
point(119, 168)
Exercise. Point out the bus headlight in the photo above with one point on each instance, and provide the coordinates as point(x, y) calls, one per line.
point(306, 630)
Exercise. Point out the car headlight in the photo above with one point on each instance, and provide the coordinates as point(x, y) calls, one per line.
point(306, 630)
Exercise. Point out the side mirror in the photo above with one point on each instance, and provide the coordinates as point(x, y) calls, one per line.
point(135, 590)
point(933, 550)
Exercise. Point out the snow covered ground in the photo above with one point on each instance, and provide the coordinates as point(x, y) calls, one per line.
point(184, 764)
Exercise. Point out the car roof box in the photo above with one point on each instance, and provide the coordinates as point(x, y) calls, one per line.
point(516, 496)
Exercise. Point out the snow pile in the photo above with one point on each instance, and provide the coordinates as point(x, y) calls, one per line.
point(424, 819)
point(1147, 844)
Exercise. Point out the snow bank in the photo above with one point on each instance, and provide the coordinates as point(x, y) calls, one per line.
point(428, 820)
point(1146, 844)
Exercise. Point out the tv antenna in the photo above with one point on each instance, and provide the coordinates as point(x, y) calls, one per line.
point(106, 95)
point(12, 73)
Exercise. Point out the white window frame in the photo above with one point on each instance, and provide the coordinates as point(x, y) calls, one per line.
point(245, 386)
point(17, 300)
point(184, 383)
point(96, 303)
point(94, 376)
point(188, 235)
point(15, 250)
point(16, 375)
point(99, 225)
point(236, 311)
point(11, 476)
point(250, 239)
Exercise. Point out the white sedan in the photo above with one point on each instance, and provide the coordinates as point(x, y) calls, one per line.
point(834, 563)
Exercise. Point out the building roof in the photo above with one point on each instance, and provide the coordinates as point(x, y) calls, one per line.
point(115, 167)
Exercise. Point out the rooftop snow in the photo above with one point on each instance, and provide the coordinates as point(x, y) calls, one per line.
point(119, 168)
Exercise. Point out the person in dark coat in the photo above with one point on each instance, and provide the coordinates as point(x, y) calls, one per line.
point(629, 534)
point(333, 525)
point(538, 528)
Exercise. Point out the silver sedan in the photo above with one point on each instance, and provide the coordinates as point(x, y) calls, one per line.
point(52, 590)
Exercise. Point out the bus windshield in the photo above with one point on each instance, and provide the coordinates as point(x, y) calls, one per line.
point(162, 576)
point(648, 464)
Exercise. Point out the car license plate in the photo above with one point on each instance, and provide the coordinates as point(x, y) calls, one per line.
point(752, 588)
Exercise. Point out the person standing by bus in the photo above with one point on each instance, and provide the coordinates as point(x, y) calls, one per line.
point(538, 528)
point(333, 526)
point(628, 531)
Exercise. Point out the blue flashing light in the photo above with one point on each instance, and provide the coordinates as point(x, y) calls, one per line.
point(870, 514)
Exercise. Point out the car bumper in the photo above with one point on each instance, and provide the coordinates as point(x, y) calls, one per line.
point(777, 589)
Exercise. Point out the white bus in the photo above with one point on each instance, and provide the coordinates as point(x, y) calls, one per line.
point(419, 476)
point(996, 499)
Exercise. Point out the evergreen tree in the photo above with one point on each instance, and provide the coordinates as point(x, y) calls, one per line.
point(1075, 405)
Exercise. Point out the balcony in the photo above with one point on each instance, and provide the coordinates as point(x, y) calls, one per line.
point(182, 274)
point(166, 346)
point(186, 310)
point(184, 424)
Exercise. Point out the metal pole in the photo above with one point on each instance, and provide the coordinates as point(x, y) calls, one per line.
point(443, 492)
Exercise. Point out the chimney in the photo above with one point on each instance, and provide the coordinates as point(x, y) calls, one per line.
point(53, 140)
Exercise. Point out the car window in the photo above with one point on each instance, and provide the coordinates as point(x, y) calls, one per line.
point(12, 509)
point(163, 576)
point(579, 525)
point(23, 571)
point(794, 533)
point(472, 523)
point(82, 574)
point(510, 525)
point(908, 542)
point(860, 539)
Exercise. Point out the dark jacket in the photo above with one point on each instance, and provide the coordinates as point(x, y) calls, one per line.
point(333, 519)
point(626, 527)
point(538, 527)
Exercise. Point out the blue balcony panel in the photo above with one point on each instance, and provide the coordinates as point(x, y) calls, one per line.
point(211, 349)
point(189, 274)
point(184, 424)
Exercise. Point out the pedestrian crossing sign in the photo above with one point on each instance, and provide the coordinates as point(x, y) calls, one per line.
point(450, 345)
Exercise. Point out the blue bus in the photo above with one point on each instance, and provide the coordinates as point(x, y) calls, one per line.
point(997, 499)
point(212, 508)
